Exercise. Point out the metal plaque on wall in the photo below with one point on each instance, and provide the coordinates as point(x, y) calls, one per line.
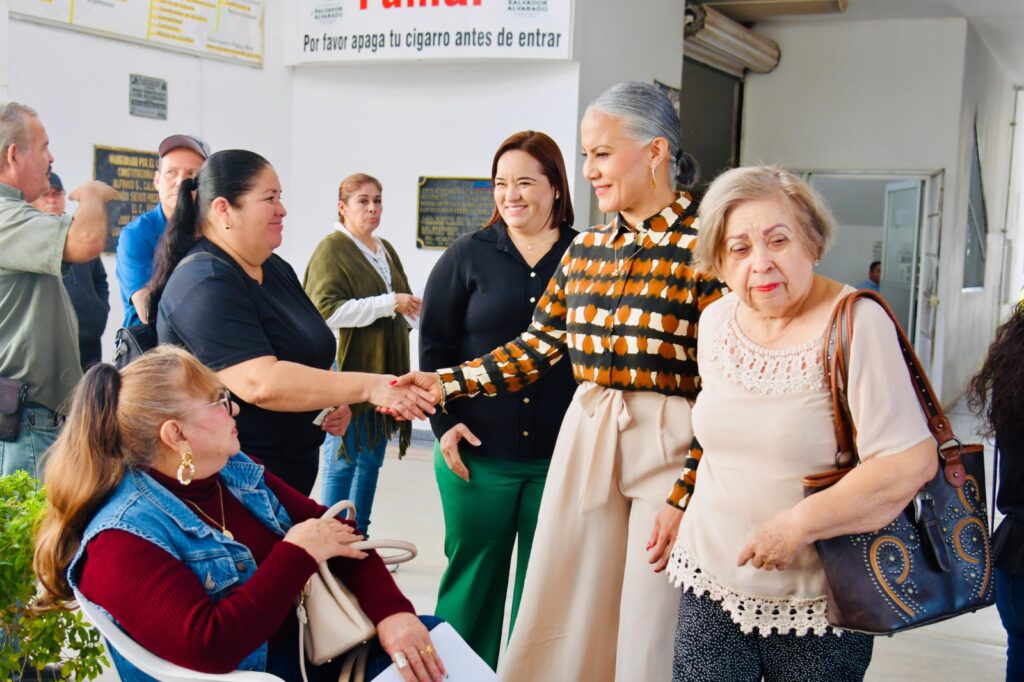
point(147, 97)
point(451, 207)
point(130, 172)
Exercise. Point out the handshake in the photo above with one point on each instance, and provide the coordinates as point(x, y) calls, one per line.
point(410, 396)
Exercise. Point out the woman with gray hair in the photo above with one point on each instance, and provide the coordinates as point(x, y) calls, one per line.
point(753, 602)
point(623, 305)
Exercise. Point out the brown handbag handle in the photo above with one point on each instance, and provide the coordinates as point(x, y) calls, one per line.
point(836, 362)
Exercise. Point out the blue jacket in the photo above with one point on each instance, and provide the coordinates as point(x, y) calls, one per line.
point(143, 507)
point(136, 246)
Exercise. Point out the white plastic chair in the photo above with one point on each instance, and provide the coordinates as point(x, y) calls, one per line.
point(151, 664)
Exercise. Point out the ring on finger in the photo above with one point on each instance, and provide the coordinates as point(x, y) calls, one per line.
point(400, 660)
point(426, 650)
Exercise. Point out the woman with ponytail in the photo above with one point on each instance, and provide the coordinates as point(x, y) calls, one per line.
point(242, 311)
point(194, 549)
point(624, 305)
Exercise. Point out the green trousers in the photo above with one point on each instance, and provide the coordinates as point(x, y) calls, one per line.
point(482, 519)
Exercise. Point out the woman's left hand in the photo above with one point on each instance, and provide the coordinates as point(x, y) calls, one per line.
point(337, 422)
point(404, 633)
point(775, 543)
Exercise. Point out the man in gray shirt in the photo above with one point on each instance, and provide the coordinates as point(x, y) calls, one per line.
point(38, 329)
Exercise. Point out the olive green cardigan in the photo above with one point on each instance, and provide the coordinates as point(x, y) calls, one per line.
point(338, 272)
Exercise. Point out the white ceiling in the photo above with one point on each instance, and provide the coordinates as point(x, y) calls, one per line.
point(1000, 23)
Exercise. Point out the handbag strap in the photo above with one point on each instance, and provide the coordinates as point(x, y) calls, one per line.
point(407, 550)
point(836, 365)
point(995, 489)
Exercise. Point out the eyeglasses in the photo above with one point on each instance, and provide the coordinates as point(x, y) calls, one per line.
point(224, 401)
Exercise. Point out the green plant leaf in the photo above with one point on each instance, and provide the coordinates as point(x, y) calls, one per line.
point(29, 639)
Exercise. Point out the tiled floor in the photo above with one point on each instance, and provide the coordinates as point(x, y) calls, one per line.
point(408, 506)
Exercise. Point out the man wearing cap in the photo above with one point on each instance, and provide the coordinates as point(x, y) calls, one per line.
point(39, 361)
point(180, 158)
point(86, 284)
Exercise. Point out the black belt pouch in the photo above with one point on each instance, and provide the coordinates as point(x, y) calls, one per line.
point(12, 398)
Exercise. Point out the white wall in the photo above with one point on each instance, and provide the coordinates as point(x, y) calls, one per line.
point(1015, 212)
point(852, 251)
point(857, 95)
point(897, 95)
point(969, 317)
point(399, 122)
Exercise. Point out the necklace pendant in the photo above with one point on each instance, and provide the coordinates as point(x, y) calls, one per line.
point(228, 534)
point(529, 247)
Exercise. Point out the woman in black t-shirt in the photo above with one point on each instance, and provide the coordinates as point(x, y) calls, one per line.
point(996, 394)
point(242, 311)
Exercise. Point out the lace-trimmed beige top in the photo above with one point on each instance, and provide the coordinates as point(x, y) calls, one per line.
point(764, 419)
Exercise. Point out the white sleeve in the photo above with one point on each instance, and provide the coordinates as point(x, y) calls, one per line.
point(883, 403)
point(362, 312)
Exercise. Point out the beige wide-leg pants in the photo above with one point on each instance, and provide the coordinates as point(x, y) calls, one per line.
point(592, 608)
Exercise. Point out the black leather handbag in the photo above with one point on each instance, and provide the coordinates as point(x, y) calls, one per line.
point(12, 397)
point(131, 342)
point(934, 560)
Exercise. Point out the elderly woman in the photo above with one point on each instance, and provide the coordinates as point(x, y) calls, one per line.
point(623, 304)
point(753, 601)
point(221, 292)
point(356, 281)
point(492, 456)
point(149, 496)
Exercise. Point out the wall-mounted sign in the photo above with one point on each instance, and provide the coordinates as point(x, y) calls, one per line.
point(131, 173)
point(147, 97)
point(451, 207)
point(231, 30)
point(381, 30)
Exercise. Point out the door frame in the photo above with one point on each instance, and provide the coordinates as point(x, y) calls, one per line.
point(927, 275)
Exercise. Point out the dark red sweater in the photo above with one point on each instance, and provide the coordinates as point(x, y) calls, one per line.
point(164, 607)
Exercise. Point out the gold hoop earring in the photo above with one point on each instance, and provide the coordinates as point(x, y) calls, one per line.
point(187, 469)
point(654, 180)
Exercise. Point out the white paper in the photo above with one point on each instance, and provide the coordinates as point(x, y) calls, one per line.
point(461, 662)
point(319, 418)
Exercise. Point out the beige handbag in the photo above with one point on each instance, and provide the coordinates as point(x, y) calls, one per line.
point(331, 622)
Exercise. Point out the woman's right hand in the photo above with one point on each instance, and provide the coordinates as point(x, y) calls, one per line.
point(427, 386)
point(400, 399)
point(428, 383)
point(325, 539)
point(450, 449)
point(663, 536)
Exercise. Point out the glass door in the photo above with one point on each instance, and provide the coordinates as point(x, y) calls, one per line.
point(899, 250)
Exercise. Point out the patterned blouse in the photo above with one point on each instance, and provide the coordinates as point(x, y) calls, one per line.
point(624, 302)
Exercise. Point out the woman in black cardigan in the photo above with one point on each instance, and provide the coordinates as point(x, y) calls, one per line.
point(492, 456)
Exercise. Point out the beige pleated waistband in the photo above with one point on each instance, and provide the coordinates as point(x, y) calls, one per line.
point(600, 426)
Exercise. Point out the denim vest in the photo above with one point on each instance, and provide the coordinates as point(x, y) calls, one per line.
point(143, 507)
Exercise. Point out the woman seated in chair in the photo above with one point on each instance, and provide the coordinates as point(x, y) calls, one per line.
point(194, 549)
